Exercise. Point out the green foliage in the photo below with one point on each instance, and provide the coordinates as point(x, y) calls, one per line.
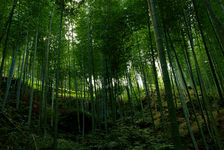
point(188, 32)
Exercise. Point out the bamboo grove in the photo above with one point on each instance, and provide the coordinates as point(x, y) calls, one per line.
point(114, 59)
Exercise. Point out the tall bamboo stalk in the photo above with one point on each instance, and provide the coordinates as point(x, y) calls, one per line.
point(165, 75)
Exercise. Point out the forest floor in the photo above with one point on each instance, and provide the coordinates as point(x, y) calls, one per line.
point(128, 133)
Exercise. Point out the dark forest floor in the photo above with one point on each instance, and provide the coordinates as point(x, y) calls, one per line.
point(128, 133)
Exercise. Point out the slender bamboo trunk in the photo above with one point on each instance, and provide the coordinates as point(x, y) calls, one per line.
point(69, 71)
point(207, 52)
point(156, 77)
point(45, 76)
point(52, 102)
point(146, 89)
point(188, 61)
point(4, 53)
point(90, 74)
point(33, 73)
point(139, 92)
point(21, 71)
point(57, 84)
point(18, 68)
point(13, 65)
point(104, 96)
point(186, 112)
point(188, 93)
point(83, 109)
point(183, 103)
point(9, 21)
point(215, 32)
point(165, 75)
point(25, 70)
point(132, 98)
point(111, 88)
point(219, 24)
point(173, 87)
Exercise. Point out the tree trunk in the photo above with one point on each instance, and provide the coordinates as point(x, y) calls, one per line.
point(207, 53)
point(33, 73)
point(57, 84)
point(165, 75)
point(21, 71)
point(9, 20)
point(90, 74)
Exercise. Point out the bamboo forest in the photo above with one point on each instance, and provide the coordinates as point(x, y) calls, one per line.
point(111, 74)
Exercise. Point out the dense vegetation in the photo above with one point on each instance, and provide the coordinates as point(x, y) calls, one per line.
point(111, 74)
